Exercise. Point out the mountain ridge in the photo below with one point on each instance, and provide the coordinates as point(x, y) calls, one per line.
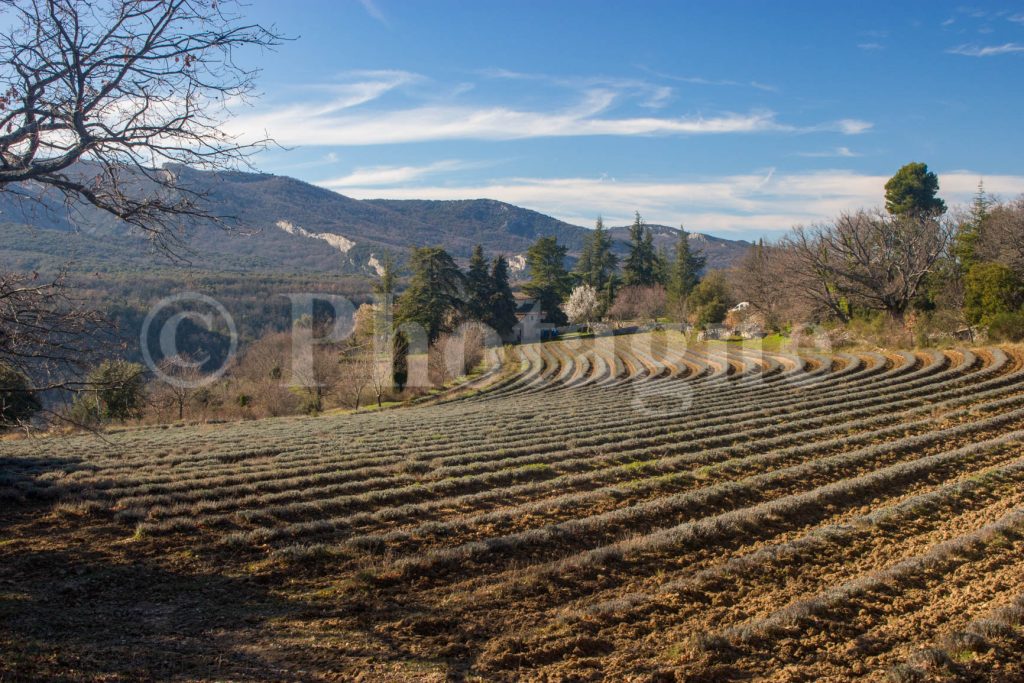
point(287, 225)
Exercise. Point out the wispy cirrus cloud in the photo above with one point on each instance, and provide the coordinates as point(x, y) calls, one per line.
point(648, 94)
point(986, 50)
point(870, 47)
point(337, 122)
point(373, 176)
point(745, 205)
point(838, 152)
point(699, 80)
point(355, 88)
point(374, 11)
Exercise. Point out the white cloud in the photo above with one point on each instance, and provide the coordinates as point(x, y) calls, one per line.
point(373, 10)
point(870, 46)
point(392, 175)
point(698, 80)
point(332, 123)
point(361, 87)
point(853, 126)
point(747, 205)
point(986, 51)
point(843, 152)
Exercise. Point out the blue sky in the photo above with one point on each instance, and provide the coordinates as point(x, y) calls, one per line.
point(739, 119)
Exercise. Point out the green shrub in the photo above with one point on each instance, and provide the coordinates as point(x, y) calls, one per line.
point(990, 290)
point(118, 392)
point(85, 410)
point(709, 302)
point(1007, 327)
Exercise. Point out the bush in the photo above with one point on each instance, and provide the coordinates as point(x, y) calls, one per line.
point(709, 302)
point(17, 402)
point(638, 303)
point(990, 290)
point(1007, 327)
point(85, 410)
point(119, 389)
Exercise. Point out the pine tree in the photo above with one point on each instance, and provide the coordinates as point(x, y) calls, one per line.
point(641, 267)
point(912, 192)
point(684, 273)
point(584, 271)
point(501, 311)
point(597, 263)
point(478, 286)
point(967, 233)
point(434, 292)
point(549, 283)
point(662, 266)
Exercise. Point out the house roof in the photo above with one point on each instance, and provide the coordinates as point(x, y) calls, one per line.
point(524, 306)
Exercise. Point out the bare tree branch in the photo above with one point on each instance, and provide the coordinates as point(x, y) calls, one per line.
point(96, 95)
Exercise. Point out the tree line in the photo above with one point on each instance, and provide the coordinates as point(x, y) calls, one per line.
point(915, 269)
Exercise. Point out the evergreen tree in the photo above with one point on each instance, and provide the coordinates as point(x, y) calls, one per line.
point(661, 266)
point(549, 283)
point(501, 310)
point(478, 286)
point(968, 232)
point(604, 261)
point(597, 263)
point(116, 392)
point(911, 192)
point(584, 271)
point(684, 273)
point(641, 266)
point(434, 294)
point(709, 301)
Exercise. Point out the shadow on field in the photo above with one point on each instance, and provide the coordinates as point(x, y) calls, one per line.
point(89, 615)
point(21, 477)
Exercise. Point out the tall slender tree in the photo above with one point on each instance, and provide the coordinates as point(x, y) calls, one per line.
point(501, 311)
point(641, 266)
point(968, 231)
point(585, 264)
point(684, 273)
point(478, 286)
point(549, 283)
point(597, 263)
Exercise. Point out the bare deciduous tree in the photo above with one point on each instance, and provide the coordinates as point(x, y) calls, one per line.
point(44, 333)
point(182, 376)
point(1001, 237)
point(638, 303)
point(760, 278)
point(865, 258)
point(95, 95)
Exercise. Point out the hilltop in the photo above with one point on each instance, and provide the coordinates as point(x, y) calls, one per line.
point(281, 224)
